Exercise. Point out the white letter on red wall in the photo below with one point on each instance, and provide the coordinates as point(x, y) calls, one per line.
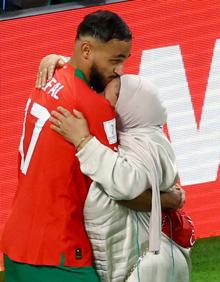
point(197, 149)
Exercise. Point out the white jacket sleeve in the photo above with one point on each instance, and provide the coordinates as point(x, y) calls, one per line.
point(120, 177)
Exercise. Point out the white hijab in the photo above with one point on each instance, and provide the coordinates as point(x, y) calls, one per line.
point(138, 105)
point(140, 115)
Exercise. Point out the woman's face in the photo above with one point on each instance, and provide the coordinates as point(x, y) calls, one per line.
point(111, 91)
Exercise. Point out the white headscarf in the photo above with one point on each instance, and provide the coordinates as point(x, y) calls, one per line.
point(140, 115)
point(138, 105)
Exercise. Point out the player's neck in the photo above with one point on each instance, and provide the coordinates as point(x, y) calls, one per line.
point(73, 62)
point(79, 65)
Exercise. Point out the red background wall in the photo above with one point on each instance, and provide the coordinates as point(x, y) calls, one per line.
point(193, 25)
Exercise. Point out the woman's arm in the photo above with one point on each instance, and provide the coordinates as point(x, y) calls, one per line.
point(122, 178)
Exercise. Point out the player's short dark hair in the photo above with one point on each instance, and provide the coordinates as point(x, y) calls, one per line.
point(104, 25)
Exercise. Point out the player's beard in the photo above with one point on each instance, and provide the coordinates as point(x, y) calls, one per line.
point(97, 79)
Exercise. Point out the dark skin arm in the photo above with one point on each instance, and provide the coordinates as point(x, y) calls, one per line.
point(47, 68)
point(169, 200)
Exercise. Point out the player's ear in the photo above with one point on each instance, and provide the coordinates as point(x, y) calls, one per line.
point(86, 49)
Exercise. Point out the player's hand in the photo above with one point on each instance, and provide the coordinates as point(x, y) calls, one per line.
point(46, 69)
point(73, 127)
point(174, 199)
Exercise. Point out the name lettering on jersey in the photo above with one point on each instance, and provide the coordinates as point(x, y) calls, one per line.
point(110, 130)
point(52, 88)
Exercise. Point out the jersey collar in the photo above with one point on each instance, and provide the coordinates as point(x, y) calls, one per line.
point(81, 75)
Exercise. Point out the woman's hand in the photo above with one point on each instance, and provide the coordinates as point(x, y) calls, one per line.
point(74, 128)
point(46, 69)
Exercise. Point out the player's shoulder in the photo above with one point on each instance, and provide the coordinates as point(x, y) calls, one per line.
point(62, 73)
point(69, 76)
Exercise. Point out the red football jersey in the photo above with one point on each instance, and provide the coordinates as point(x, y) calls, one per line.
point(46, 224)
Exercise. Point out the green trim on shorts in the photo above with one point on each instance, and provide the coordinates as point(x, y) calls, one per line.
point(21, 272)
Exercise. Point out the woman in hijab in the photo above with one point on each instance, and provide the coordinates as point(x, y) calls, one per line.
point(128, 245)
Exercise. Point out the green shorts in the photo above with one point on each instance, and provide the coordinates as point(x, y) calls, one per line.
point(20, 272)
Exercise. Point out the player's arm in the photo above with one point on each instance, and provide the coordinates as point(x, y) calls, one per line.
point(47, 68)
point(169, 200)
